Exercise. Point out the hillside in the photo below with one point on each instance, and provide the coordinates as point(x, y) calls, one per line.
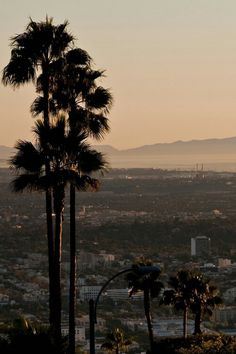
point(207, 146)
point(215, 154)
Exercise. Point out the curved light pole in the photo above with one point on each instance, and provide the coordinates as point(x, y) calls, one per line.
point(93, 304)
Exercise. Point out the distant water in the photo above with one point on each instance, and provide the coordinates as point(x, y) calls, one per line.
point(3, 163)
point(219, 163)
point(186, 162)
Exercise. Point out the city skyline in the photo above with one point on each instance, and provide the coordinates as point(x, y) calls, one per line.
point(170, 67)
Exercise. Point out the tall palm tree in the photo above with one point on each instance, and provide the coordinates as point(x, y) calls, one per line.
point(76, 91)
point(32, 60)
point(116, 341)
point(206, 298)
point(180, 295)
point(67, 155)
point(151, 287)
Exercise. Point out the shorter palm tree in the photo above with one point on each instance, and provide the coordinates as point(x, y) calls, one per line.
point(180, 295)
point(116, 341)
point(206, 298)
point(151, 287)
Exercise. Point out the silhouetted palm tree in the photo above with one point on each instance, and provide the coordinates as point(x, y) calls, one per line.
point(116, 341)
point(32, 59)
point(206, 297)
point(151, 287)
point(75, 90)
point(68, 155)
point(38, 55)
point(180, 294)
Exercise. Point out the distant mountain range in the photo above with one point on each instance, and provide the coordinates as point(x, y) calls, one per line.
point(200, 147)
point(216, 154)
point(206, 146)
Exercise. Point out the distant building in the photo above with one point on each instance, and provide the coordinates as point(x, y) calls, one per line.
point(79, 333)
point(84, 321)
point(224, 262)
point(200, 246)
point(230, 295)
point(123, 294)
point(225, 314)
point(107, 258)
point(89, 292)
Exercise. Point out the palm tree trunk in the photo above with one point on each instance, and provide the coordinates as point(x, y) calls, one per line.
point(50, 257)
point(146, 300)
point(50, 237)
point(58, 208)
point(72, 292)
point(197, 324)
point(185, 326)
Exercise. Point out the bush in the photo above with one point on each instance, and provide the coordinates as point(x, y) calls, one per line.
point(202, 344)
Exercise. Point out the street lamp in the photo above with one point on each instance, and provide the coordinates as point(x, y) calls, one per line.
point(140, 270)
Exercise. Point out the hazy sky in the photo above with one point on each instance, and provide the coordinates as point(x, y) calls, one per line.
point(170, 64)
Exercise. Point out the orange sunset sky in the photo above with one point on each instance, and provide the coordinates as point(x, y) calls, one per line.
point(170, 65)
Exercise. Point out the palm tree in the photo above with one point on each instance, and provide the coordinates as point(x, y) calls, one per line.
point(38, 54)
point(151, 288)
point(75, 91)
point(180, 295)
point(67, 155)
point(93, 123)
point(206, 297)
point(116, 341)
point(32, 60)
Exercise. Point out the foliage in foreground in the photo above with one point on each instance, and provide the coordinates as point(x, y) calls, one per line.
point(202, 344)
point(25, 337)
point(116, 341)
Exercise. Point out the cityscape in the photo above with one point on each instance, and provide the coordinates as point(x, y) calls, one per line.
point(118, 177)
point(105, 218)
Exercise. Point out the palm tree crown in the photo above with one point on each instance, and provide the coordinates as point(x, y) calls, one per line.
point(34, 49)
point(206, 297)
point(180, 294)
point(116, 341)
point(71, 159)
point(151, 287)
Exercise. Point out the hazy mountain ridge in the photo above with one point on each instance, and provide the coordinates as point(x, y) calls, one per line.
point(205, 146)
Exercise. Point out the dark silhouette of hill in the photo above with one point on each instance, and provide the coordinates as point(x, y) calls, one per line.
point(207, 146)
point(216, 154)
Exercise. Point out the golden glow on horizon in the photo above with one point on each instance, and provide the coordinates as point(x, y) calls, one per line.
point(170, 66)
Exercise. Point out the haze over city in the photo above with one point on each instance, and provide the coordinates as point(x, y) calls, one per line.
point(170, 66)
point(152, 204)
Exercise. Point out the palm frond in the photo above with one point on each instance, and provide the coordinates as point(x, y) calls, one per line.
point(41, 132)
point(93, 75)
point(90, 161)
point(28, 182)
point(19, 70)
point(62, 39)
point(78, 56)
point(37, 107)
point(86, 183)
point(27, 157)
point(97, 125)
point(100, 99)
